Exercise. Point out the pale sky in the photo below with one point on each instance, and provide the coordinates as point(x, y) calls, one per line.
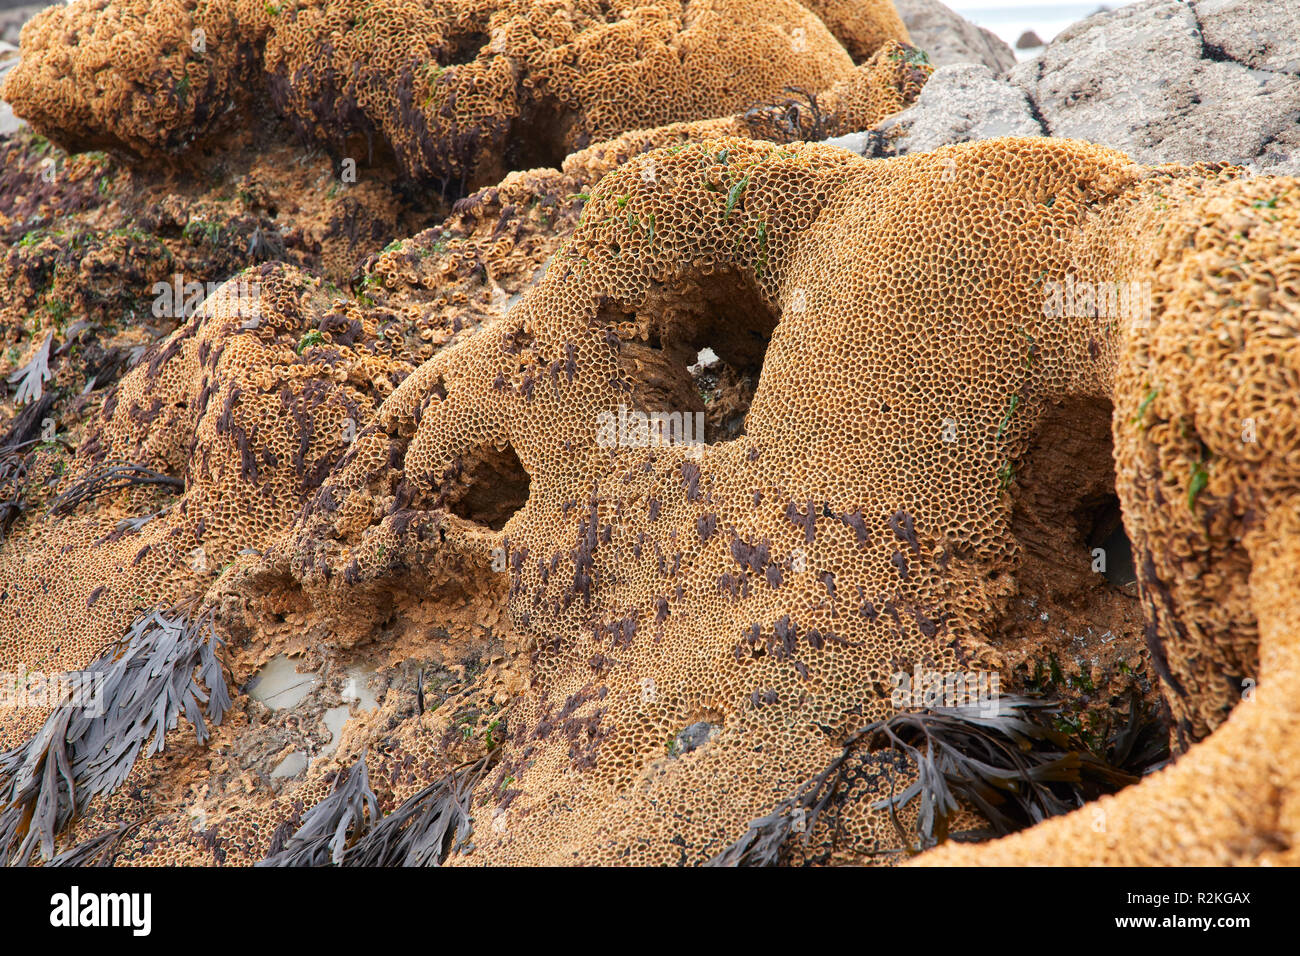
point(1009, 18)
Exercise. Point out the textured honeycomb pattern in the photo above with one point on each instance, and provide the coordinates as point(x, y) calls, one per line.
point(254, 403)
point(250, 404)
point(100, 74)
point(1206, 468)
point(248, 413)
point(863, 26)
point(755, 587)
point(692, 632)
point(767, 586)
point(759, 588)
point(458, 93)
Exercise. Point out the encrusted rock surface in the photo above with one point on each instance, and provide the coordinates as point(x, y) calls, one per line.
point(908, 402)
point(949, 38)
point(1164, 81)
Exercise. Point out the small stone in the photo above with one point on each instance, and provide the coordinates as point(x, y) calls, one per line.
point(290, 766)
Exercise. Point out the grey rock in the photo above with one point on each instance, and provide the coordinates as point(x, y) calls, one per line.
point(692, 738)
point(1029, 40)
point(11, 22)
point(1281, 156)
point(290, 766)
point(957, 105)
point(949, 38)
point(8, 121)
point(853, 142)
point(1141, 79)
point(14, 15)
point(1163, 81)
point(1266, 39)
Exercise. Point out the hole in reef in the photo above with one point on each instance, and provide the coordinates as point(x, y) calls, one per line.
point(726, 392)
point(1064, 507)
point(698, 351)
point(1103, 525)
point(464, 48)
point(538, 137)
point(1065, 487)
point(488, 487)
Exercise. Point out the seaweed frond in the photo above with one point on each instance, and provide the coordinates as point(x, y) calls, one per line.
point(1003, 764)
point(106, 479)
point(345, 829)
point(97, 851)
point(31, 378)
point(1012, 766)
point(1141, 746)
point(323, 835)
point(89, 744)
point(429, 827)
point(798, 118)
point(17, 449)
point(13, 477)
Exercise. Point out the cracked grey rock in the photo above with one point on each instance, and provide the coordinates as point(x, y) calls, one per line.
point(949, 38)
point(1163, 81)
point(1266, 39)
point(853, 142)
point(957, 105)
point(1142, 80)
point(8, 60)
point(12, 18)
point(8, 121)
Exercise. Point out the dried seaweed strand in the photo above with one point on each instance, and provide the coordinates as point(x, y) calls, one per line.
point(88, 747)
